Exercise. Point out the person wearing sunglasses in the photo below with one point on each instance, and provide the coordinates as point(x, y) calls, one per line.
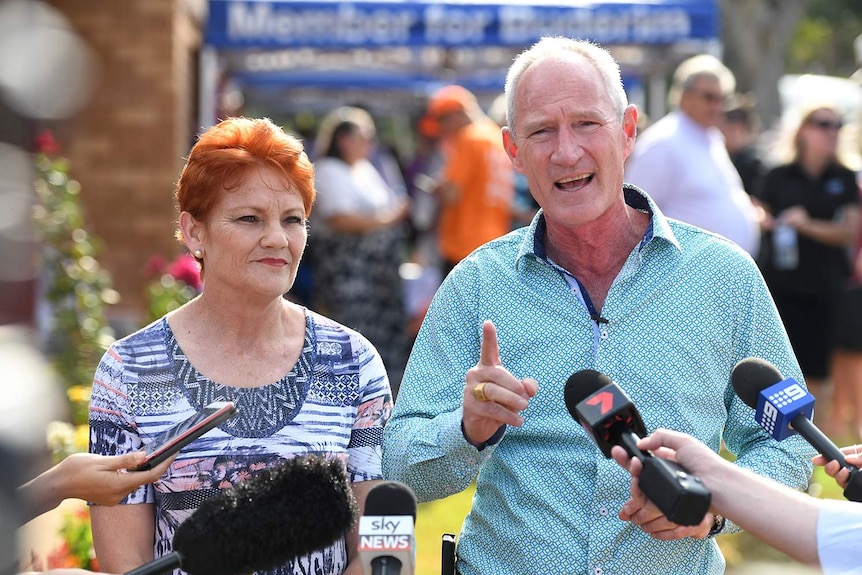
point(812, 204)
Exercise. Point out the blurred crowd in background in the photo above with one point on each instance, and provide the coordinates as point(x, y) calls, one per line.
point(787, 193)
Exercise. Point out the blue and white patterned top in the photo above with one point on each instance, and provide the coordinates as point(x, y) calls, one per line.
point(334, 402)
point(686, 306)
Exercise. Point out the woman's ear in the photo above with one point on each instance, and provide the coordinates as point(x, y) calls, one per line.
point(193, 231)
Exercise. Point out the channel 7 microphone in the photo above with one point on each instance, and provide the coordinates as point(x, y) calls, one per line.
point(280, 513)
point(783, 407)
point(610, 418)
point(386, 541)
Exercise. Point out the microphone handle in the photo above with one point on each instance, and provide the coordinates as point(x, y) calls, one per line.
point(818, 440)
point(822, 443)
point(385, 565)
point(629, 441)
point(853, 490)
point(164, 564)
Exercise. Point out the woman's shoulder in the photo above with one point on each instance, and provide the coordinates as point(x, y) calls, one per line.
point(330, 166)
point(782, 169)
point(329, 334)
point(840, 170)
point(144, 342)
point(152, 330)
point(321, 324)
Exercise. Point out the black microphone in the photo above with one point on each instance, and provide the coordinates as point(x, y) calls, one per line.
point(783, 407)
point(608, 415)
point(386, 537)
point(280, 513)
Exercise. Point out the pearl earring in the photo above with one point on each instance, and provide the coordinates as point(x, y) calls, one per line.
point(198, 254)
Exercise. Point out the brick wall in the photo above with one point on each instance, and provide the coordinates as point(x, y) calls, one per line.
point(126, 146)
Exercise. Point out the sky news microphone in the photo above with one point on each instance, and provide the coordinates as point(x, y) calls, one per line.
point(301, 506)
point(608, 415)
point(782, 407)
point(386, 541)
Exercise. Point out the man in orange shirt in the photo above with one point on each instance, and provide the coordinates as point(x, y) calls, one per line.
point(476, 184)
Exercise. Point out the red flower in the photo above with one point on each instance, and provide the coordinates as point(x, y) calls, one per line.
point(45, 143)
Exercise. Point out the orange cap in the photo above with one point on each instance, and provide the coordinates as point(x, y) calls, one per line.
point(450, 99)
point(446, 100)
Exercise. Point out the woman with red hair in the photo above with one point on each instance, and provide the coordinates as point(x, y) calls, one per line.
point(303, 383)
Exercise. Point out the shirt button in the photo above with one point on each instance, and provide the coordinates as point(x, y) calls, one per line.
point(597, 571)
point(604, 334)
point(603, 511)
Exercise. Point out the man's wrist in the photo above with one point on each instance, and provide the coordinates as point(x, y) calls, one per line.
point(718, 522)
point(493, 440)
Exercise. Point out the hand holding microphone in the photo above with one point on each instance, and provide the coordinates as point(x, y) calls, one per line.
point(610, 418)
point(852, 455)
point(304, 505)
point(783, 407)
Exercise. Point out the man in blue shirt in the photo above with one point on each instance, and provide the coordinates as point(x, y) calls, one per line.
point(600, 280)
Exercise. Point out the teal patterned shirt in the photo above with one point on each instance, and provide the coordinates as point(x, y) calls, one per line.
point(686, 306)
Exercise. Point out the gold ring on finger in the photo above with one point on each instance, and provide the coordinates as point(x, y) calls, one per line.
point(479, 392)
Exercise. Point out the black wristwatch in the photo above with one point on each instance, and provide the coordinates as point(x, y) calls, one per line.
point(717, 525)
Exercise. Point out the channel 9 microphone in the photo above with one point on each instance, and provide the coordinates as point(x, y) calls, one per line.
point(280, 513)
point(386, 541)
point(610, 418)
point(783, 407)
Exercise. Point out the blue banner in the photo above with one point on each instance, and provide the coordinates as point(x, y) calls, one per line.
point(367, 24)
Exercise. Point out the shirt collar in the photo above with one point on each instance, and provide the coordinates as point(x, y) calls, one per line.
point(659, 227)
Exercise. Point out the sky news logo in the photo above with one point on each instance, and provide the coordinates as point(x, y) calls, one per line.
point(384, 543)
point(386, 533)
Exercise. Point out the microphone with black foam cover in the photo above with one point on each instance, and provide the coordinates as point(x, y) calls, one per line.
point(610, 418)
point(386, 538)
point(301, 506)
point(782, 407)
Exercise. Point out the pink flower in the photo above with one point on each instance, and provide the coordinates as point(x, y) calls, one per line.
point(186, 269)
point(155, 266)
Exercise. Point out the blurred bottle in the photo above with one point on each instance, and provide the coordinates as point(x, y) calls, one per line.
point(785, 250)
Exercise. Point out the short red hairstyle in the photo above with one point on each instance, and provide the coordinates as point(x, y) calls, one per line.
point(225, 153)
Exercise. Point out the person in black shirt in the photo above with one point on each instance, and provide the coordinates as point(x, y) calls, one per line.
point(812, 203)
point(741, 128)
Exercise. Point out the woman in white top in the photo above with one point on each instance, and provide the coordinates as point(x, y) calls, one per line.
point(358, 238)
